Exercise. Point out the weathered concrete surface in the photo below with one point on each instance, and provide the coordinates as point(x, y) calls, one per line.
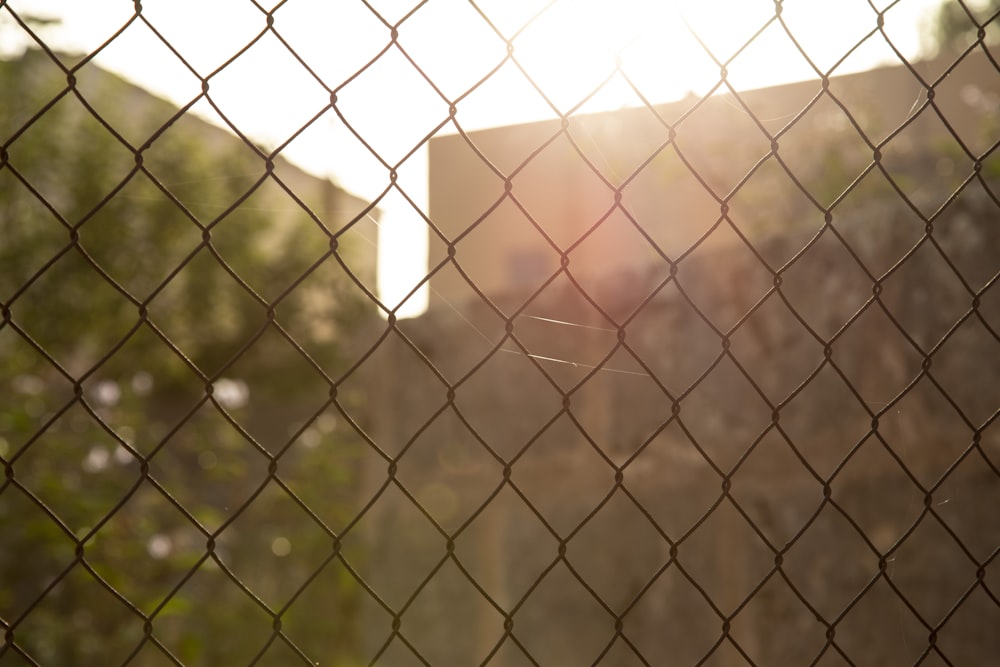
point(803, 476)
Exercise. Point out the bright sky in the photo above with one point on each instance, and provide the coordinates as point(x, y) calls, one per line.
point(568, 50)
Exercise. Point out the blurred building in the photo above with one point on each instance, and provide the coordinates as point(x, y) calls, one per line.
point(683, 167)
point(740, 474)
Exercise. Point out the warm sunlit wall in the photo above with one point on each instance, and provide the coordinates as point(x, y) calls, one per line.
point(505, 253)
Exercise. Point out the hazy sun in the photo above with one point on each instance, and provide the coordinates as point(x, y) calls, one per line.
point(567, 56)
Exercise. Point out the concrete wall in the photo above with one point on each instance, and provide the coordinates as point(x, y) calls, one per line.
point(676, 167)
point(565, 430)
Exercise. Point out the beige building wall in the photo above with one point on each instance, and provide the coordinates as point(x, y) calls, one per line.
point(498, 194)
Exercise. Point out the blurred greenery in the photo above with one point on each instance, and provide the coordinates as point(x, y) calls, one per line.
point(956, 24)
point(122, 467)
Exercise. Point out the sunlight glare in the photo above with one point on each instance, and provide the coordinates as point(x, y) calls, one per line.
point(582, 55)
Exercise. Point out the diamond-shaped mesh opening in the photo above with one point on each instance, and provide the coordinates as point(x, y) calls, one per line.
point(677, 502)
point(76, 469)
point(968, 520)
point(321, 467)
point(405, 544)
point(188, 625)
point(601, 273)
point(810, 566)
point(562, 448)
point(291, 94)
point(560, 635)
point(825, 393)
point(209, 465)
point(730, 539)
point(474, 623)
point(879, 234)
point(599, 547)
point(177, 164)
point(925, 432)
point(568, 205)
point(856, 631)
point(392, 352)
point(969, 626)
point(202, 285)
point(514, 368)
point(139, 237)
point(964, 234)
point(724, 301)
point(411, 91)
point(73, 336)
point(945, 165)
point(825, 168)
point(274, 532)
point(724, 414)
point(101, 157)
point(465, 472)
point(17, 505)
point(620, 146)
point(253, 386)
point(825, 285)
point(917, 571)
point(709, 381)
point(502, 548)
point(884, 525)
point(875, 357)
point(778, 520)
point(479, 102)
point(775, 350)
point(529, 260)
point(776, 600)
point(84, 605)
point(971, 336)
point(669, 202)
point(672, 621)
point(678, 360)
point(146, 539)
point(585, 337)
point(332, 591)
point(300, 242)
point(626, 381)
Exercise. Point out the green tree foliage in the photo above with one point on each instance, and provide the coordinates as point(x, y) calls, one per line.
point(957, 23)
point(164, 401)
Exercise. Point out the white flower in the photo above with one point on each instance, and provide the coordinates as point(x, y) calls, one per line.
point(231, 393)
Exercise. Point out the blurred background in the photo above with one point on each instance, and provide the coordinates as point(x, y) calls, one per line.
point(499, 333)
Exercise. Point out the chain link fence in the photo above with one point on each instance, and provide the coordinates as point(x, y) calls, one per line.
point(711, 382)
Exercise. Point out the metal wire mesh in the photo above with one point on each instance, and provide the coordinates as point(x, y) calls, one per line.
point(671, 404)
